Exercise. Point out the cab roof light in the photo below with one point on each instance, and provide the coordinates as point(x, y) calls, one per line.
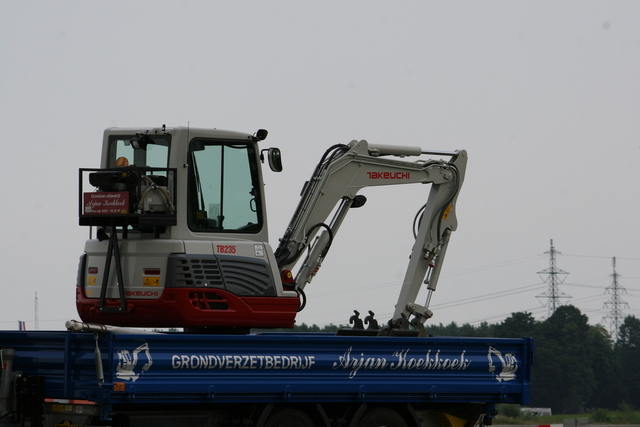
point(261, 134)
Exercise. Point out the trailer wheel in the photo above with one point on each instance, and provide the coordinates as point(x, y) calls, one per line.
point(382, 417)
point(290, 417)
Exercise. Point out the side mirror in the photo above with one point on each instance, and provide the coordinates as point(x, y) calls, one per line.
point(274, 157)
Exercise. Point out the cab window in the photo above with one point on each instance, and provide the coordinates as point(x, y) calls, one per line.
point(223, 187)
point(152, 151)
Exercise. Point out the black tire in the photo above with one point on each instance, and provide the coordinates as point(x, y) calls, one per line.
point(382, 417)
point(290, 417)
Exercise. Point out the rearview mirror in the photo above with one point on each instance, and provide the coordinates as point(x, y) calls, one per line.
point(274, 157)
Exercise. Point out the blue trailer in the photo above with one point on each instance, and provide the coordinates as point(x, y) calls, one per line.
point(293, 379)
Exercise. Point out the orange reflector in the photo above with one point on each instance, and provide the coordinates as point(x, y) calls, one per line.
point(287, 277)
point(151, 271)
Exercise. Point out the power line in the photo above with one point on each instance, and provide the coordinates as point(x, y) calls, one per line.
point(601, 257)
point(491, 266)
point(502, 316)
point(478, 298)
point(465, 301)
point(580, 285)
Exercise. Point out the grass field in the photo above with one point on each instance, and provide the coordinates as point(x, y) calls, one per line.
point(510, 414)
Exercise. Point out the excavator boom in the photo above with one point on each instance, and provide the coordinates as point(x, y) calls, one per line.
point(342, 172)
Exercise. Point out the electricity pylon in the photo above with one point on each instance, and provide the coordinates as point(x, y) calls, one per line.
point(37, 314)
point(615, 304)
point(554, 277)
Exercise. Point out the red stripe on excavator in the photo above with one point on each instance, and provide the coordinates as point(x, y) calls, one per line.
point(193, 307)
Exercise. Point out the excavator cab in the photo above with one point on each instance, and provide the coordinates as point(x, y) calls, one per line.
point(180, 233)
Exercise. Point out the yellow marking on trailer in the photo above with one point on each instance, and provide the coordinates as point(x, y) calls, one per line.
point(91, 280)
point(448, 420)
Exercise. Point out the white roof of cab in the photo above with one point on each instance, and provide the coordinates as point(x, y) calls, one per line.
point(203, 132)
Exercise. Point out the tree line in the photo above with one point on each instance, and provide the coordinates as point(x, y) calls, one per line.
point(577, 366)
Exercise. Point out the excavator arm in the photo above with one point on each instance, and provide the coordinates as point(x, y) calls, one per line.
point(333, 188)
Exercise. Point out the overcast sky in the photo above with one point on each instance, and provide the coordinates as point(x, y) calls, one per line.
point(544, 96)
